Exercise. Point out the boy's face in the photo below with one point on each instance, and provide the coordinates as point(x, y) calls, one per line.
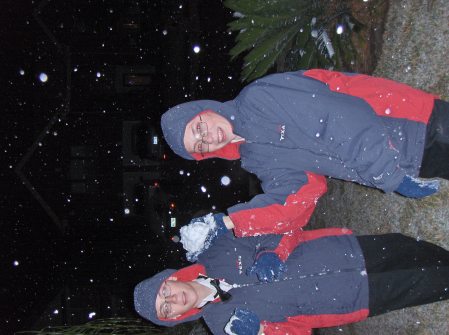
point(175, 298)
point(207, 132)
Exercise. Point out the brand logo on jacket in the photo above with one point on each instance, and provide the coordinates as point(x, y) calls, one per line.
point(282, 131)
point(239, 264)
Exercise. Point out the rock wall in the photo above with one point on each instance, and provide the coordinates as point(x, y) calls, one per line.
point(415, 51)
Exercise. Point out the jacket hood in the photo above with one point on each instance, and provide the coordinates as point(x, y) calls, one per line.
point(174, 122)
point(146, 291)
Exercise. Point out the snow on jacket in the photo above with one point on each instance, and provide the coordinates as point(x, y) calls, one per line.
point(301, 125)
point(325, 283)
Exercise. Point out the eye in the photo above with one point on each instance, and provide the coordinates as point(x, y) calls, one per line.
point(166, 310)
point(200, 147)
point(198, 128)
point(165, 290)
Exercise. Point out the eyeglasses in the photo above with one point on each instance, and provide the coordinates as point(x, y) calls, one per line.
point(202, 132)
point(166, 306)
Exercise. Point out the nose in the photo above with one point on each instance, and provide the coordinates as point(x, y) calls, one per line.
point(208, 138)
point(171, 299)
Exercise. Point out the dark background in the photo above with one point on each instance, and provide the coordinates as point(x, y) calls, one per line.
point(89, 188)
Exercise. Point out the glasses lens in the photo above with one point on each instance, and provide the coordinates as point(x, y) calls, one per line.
point(166, 292)
point(166, 307)
point(203, 129)
point(203, 147)
point(166, 310)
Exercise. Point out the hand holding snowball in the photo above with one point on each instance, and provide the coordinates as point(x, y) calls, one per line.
point(201, 233)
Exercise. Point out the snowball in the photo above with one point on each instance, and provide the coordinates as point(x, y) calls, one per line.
point(196, 236)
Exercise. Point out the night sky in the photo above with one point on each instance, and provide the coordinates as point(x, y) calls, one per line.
point(84, 215)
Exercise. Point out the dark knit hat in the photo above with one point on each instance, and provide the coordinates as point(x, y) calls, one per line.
point(173, 123)
point(146, 291)
point(145, 296)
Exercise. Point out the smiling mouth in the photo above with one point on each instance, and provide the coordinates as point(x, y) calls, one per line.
point(184, 298)
point(221, 136)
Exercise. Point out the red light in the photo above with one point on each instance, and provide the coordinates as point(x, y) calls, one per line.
point(156, 184)
point(164, 156)
point(172, 205)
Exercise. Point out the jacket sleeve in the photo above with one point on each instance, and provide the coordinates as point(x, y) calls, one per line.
point(287, 203)
point(377, 159)
point(282, 328)
point(386, 97)
point(292, 239)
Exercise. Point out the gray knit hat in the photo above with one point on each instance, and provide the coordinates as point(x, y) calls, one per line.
point(173, 123)
point(146, 292)
point(145, 296)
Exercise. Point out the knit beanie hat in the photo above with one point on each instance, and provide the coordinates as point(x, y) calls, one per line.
point(145, 295)
point(173, 123)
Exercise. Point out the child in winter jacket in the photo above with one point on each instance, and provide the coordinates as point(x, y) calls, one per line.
point(307, 279)
point(291, 129)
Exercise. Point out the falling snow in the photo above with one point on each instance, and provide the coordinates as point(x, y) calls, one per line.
point(43, 77)
point(225, 181)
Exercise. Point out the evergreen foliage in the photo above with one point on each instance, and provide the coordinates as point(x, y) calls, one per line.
point(300, 33)
point(121, 326)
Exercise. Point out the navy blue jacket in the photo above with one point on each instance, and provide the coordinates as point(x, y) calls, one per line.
point(299, 126)
point(325, 284)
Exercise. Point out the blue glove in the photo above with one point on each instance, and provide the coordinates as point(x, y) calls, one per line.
point(243, 322)
point(201, 233)
point(417, 188)
point(220, 225)
point(267, 266)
